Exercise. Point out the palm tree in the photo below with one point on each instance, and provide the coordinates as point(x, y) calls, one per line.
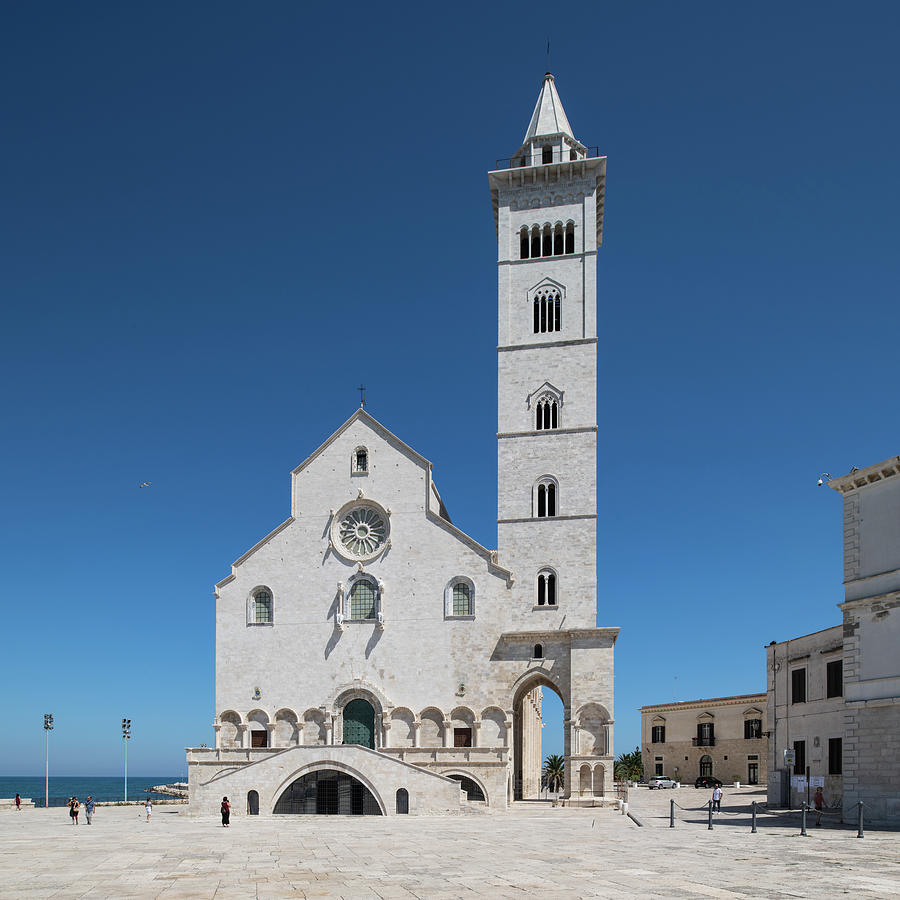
point(629, 766)
point(554, 771)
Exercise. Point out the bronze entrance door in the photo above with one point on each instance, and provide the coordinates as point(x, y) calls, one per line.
point(359, 724)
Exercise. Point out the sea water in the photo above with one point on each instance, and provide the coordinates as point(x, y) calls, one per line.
point(98, 786)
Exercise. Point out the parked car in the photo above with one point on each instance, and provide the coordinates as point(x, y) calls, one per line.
point(707, 781)
point(660, 781)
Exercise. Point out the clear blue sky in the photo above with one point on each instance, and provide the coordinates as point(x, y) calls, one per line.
point(179, 185)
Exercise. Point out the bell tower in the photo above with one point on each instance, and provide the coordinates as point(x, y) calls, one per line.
point(548, 211)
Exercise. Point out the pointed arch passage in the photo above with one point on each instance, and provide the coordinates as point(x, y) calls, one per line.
point(327, 792)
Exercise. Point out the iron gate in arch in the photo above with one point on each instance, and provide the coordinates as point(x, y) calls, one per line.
point(327, 792)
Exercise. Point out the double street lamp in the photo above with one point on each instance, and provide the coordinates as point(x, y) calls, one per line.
point(126, 734)
point(48, 727)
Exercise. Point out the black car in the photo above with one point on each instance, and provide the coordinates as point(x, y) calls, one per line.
point(707, 781)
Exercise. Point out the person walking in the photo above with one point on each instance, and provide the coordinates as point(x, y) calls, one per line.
point(76, 806)
point(819, 803)
point(226, 813)
point(148, 806)
point(18, 803)
point(717, 798)
point(89, 809)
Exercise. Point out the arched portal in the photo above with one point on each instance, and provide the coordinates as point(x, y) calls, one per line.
point(327, 792)
point(528, 749)
point(359, 723)
point(470, 786)
point(252, 803)
point(706, 765)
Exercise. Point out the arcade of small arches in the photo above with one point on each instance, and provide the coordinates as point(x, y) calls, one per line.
point(547, 240)
point(358, 722)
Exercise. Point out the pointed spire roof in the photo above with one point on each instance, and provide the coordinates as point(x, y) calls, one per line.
point(548, 117)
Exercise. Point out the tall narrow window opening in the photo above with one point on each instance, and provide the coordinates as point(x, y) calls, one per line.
point(538, 651)
point(363, 598)
point(546, 588)
point(462, 605)
point(524, 243)
point(262, 607)
point(798, 686)
point(835, 756)
point(547, 243)
point(535, 242)
point(834, 678)
point(546, 154)
point(558, 241)
point(547, 414)
point(570, 238)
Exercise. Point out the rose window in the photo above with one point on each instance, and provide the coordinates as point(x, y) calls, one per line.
point(362, 531)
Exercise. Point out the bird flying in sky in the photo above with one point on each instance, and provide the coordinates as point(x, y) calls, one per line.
point(145, 484)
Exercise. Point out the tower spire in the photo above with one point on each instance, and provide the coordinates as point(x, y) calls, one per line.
point(548, 117)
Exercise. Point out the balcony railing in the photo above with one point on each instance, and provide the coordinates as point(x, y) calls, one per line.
point(703, 742)
point(549, 156)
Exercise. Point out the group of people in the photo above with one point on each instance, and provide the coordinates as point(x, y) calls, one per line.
point(75, 808)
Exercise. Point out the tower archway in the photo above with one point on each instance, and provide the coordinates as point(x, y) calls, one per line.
point(528, 738)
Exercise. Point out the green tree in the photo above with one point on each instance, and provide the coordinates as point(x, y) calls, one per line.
point(629, 766)
point(554, 771)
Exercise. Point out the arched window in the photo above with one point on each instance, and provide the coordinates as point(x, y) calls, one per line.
point(547, 311)
point(363, 599)
point(360, 463)
point(546, 154)
point(558, 240)
point(547, 414)
point(547, 242)
point(706, 766)
point(260, 608)
point(402, 801)
point(535, 242)
point(459, 597)
point(538, 651)
point(570, 237)
point(546, 588)
point(524, 243)
point(545, 499)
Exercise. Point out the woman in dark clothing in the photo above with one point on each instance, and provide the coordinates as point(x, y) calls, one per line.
point(226, 812)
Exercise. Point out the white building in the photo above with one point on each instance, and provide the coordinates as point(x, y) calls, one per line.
point(370, 656)
point(834, 696)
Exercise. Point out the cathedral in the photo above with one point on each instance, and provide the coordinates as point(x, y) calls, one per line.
point(372, 658)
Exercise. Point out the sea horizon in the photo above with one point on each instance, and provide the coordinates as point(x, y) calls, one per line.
point(103, 788)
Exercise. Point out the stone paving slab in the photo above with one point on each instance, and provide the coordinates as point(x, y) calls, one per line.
point(532, 850)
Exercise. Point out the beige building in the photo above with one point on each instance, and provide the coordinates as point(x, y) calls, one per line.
point(371, 657)
point(805, 691)
point(723, 737)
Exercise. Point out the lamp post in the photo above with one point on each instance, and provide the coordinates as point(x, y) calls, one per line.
point(126, 735)
point(48, 727)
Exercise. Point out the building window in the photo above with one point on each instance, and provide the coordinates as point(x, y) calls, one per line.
point(658, 734)
point(462, 602)
point(538, 651)
point(535, 242)
point(706, 734)
point(363, 599)
point(459, 598)
point(545, 505)
point(570, 237)
point(260, 612)
point(360, 461)
point(558, 240)
point(658, 768)
point(835, 756)
point(798, 686)
point(546, 588)
point(799, 757)
point(547, 414)
point(752, 729)
point(834, 679)
point(546, 154)
point(462, 737)
point(524, 243)
point(706, 766)
point(547, 311)
point(402, 802)
point(752, 772)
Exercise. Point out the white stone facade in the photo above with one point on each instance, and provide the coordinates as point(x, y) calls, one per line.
point(724, 737)
point(368, 635)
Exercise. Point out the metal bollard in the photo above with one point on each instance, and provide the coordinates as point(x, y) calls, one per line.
point(753, 818)
point(710, 828)
point(671, 814)
point(803, 822)
point(859, 830)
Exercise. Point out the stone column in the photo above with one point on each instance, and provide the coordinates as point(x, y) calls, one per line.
point(385, 731)
point(507, 728)
point(448, 732)
point(415, 730)
point(216, 729)
point(329, 730)
point(476, 728)
point(270, 740)
point(244, 736)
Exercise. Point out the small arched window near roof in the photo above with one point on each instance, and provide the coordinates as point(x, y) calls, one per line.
point(546, 587)
point(360, 461)
point(260, 607)
point(538, 651)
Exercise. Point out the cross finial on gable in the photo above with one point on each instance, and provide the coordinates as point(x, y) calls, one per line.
point(362, 396)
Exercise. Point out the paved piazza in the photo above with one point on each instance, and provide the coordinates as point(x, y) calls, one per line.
point(553, 853)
